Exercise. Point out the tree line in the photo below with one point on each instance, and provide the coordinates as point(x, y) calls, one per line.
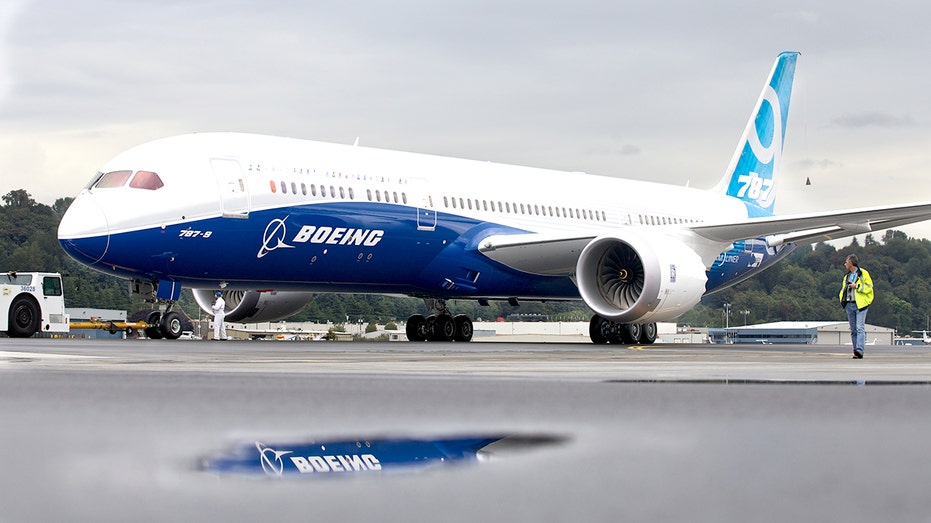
point(804, 286)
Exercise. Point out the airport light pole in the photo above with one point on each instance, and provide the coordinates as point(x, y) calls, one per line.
point(727, 315)
point(746, 312)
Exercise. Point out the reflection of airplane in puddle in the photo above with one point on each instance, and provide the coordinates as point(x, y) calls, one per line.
point(329, 458)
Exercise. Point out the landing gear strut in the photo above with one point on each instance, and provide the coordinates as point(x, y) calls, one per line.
point(439, 326)
point(163, 323)
point(606, 331)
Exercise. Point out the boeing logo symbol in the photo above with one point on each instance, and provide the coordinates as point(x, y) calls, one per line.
point(271, 459)
point(276, 233)
point(274, 237)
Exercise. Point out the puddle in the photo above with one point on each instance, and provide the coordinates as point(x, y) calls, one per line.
point(353, 457)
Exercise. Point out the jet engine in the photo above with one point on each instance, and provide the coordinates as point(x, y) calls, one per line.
point(635, 279)
point(254, 306)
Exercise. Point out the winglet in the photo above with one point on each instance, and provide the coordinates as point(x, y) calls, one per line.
point(751, 175)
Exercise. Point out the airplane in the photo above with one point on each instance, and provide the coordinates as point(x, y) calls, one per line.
point(269, 221)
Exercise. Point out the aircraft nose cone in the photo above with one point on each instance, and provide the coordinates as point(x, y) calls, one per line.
point(84, 232)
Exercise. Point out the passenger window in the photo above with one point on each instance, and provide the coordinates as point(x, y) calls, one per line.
point(113, 179)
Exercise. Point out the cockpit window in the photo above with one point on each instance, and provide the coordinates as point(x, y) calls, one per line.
point(94, 180)
point(113, 179)
point(146, 180)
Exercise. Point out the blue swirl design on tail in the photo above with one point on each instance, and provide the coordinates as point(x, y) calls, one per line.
point(751, 176)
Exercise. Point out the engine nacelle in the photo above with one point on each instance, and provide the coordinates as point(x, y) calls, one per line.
point(254, 306)
point(635, 279)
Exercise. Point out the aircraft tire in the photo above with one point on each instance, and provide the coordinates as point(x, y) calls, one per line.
point(597, 330)
point(416, 328)
point(648, 333)
point(153, 332)
point(630, 333)
point(170, 325)
point(444, 328)
point(463, 328)
point(24, 318)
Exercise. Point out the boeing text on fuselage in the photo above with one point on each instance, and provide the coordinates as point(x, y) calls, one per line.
point(276, 232)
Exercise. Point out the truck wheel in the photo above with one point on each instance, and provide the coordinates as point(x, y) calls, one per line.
point(24, 318)
point(170, 325)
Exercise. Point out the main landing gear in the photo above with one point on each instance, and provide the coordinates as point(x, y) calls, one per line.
point(439, 326)
point(604, 331)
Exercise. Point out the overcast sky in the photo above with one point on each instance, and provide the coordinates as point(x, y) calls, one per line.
point(649, 90)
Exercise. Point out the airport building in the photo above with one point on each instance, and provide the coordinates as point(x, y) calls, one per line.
point(800, 332)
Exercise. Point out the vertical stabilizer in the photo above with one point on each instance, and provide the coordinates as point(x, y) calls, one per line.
point(751, 175)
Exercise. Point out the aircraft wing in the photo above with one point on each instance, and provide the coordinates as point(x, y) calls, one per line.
point(548, 254)
point(811, 228)
point(556, 254)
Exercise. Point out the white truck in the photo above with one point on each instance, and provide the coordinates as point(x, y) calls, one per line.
point(30, 302)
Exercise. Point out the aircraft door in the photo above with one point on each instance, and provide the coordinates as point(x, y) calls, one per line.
point(234, 193)
point(426, 212)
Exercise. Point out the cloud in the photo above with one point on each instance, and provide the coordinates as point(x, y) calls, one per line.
point(873, 119)
point(810, 164)
point(8, 10)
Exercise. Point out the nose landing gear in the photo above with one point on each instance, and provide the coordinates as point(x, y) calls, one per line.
point(167, 326)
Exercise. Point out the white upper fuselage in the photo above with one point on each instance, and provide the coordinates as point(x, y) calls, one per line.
point(284, 172)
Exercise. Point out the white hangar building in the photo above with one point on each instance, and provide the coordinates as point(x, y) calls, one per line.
point(800, 332)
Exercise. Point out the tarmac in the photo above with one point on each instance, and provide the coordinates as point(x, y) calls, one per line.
point(107, 430)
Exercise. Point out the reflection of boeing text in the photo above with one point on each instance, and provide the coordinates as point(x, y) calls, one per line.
point(343, 463)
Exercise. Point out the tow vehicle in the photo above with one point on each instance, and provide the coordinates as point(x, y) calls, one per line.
point(34, 301)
